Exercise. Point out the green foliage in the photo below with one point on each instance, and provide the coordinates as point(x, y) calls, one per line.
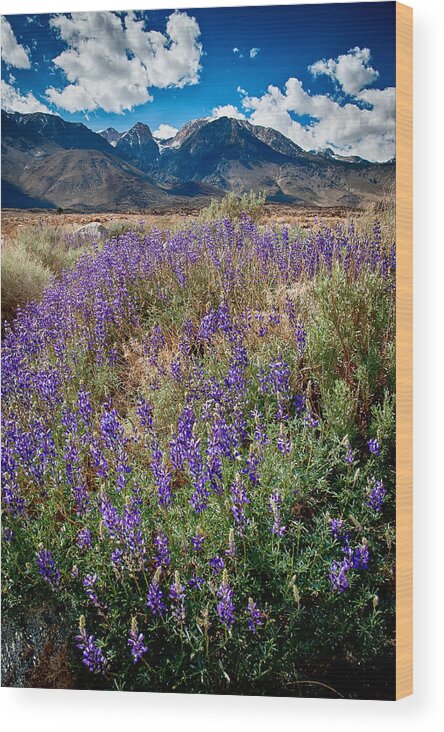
point(233, 207)
point(350, 335)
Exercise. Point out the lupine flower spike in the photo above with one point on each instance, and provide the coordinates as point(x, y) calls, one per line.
point(92, 655)
point(136, 642)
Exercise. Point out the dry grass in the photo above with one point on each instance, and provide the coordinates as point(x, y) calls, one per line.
point(15, 220)
point(24, 278)
point(305, 217)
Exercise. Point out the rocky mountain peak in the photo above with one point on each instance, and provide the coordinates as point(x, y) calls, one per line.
point(111, 135)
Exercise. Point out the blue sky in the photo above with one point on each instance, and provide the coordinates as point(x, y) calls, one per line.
point(341, 59)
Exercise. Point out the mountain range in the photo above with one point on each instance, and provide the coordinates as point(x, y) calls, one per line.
point(48, 162)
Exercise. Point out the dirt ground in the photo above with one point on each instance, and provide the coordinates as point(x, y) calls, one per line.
point(305, 217)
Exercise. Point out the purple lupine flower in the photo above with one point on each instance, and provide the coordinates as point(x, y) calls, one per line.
point(301, 338)
point(47, 568)
point(8, 534)
point(263, 379)
point(284, 442)
point(311, 421)
point(260, 434)
point(131, 531)
point(376, 495)
point(154, 598)
point(197, 542)
point(122, 472)
point(260, 319)
point(177, 595)
point(222, 440)
point(176, 370)
point(69, 421)
point(337, 529)
point(199, 499)
point(111, 427)
point(136, 642)
point(111, 518)
point(194, 457)
point(84, 406)
point(162, 558)
point(214, 471)
point(145, 413)
point(338, 575)
point(252, 463)
point(81, 497)
point(154, 345)
point(75, 478)
point(89, 583)
point(225, 606)
point(279, 381)
point(255, 619)
point(274, 504)
point(92, 656)
point(217, 564)
point(360, 556)
point(196, 582)
point(100, 462)
point(113, 356)
point(274, 318)
point(84, 539)
point(374, 446)
point(239, 499)
point(290, 309)
point(12, 499)
point(116, 558)
point(349, 455)
point(299, 404)
point(279, 376)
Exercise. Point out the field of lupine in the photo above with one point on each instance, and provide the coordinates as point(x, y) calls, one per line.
point(198, 460)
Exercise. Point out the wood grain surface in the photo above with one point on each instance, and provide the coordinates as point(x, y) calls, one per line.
point(404, 351)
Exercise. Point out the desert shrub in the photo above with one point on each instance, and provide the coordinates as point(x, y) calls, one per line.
point(117, 228)
point(198, 460)
point(233, 207)
point(24, 278)
point(50, 245)
point(28, 263)
point(380, 215)
point(351, 330)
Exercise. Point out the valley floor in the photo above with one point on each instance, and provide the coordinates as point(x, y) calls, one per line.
point(303, 216)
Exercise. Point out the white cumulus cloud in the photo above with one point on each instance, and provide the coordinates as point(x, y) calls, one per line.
point(111, 62)
point(226, 110)
point(254, 52)
point(364, 126)
point(13, 53)
point(164, 132)
point(14, 101)
point(352, 70)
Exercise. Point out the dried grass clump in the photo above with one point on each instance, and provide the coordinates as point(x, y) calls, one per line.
point(24, 278)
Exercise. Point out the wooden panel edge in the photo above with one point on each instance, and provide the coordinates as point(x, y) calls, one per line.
point(404, 351)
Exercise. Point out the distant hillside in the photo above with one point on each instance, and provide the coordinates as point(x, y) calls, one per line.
point(58, 163)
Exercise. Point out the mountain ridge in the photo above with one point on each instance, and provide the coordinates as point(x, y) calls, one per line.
point(65, 164)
